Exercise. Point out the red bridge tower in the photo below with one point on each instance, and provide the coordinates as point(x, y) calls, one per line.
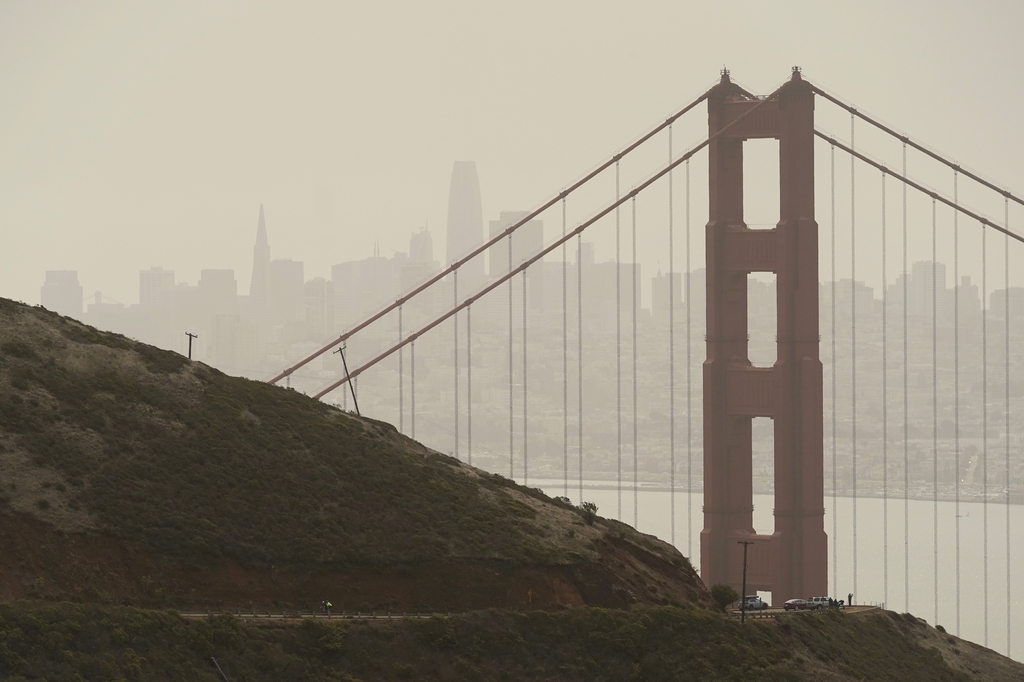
point(792, 561)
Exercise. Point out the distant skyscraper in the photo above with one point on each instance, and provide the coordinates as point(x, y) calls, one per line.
point(152, 285)
point(465, 219)
point(260, 266)
point(62, 293)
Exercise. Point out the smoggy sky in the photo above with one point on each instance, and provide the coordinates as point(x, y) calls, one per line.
point(148, 134)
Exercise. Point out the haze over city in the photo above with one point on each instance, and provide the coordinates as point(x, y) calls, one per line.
point(244, 183)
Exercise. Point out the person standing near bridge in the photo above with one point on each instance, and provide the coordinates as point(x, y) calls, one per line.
point(849, 599)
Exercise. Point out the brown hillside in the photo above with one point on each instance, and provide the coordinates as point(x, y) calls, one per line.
point(129, 474)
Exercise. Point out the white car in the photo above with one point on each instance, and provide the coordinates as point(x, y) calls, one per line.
point(753, 603)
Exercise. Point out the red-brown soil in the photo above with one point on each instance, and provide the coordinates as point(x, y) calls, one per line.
point(39, 561)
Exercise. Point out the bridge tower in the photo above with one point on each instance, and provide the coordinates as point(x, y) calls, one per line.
point(793, 560)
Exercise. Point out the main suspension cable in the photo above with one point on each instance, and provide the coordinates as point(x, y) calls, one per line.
point(507, 232)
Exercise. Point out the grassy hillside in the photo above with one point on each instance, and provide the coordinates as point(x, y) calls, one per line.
point(101, 436)
point(68, 641)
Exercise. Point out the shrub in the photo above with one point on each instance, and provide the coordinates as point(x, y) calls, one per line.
point(724, 594)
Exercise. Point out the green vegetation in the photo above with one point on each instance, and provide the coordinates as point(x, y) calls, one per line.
point(724, 594)
point(197, 465)
point(70, 642)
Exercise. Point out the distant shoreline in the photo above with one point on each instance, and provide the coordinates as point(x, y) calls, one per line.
point(654, 487)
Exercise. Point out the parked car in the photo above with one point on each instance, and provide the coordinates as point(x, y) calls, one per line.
point(796, 605)
point(818, 603)
point(753, 603)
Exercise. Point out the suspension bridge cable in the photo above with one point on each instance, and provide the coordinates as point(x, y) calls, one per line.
point(689, 392)
point(455, 355)
point(935, 415)
point(412, 389)
point(956, 391)
point(636, 488)
point(671, 360)
point(906, 411)
point(576, 232)
point(511, 411)
point(934, 195)
point(579, 352)
point(906, 140)
point(401, 380)
point(526, 454)
point(984, 419)
point(565, 363)
point(618, 350)
point(1006, 383)
point(469, 386)
point(835, 511)
point(853, 347)
point(885, 411)
point(512, 228)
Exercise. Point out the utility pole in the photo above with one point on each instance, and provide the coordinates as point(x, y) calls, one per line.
point(743, 596)
point(190, 336)
point(341, 352)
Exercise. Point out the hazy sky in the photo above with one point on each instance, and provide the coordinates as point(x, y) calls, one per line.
point(142, 134)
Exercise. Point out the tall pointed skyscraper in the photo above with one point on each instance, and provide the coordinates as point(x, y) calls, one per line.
point(260, 265)
point(465, 220)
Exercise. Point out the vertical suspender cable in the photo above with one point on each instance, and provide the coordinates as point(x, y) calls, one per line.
point(906, 410)
point(835, 510)
point(984, 418)
point(689, 385)
point(956, 389)
point(511, 411)
point(885, 412)
point(469, 385)
point(579, 352)
point(636, 485)
point(853, 349)
point(526, 458)
point(455, 354)
point(671, 360)
point(565, 362)
point(401, 388)
point(1006, 383)
point(412, 389)
point(618, 350)
point(935, 415)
